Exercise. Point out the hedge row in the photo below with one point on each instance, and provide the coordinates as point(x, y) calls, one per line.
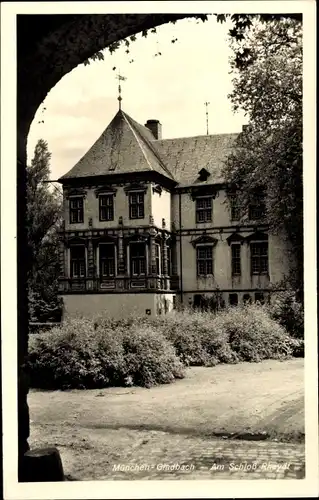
point(149, 351)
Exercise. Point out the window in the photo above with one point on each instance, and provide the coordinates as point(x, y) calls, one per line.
point(233, 299)
point(257, 208)
point(259, 297)
point(204, 209)
point(234, 208)
point(204, 256)
point(77, 261)
point(259, 257)
point(106, 206)
point(136, 205)
point(107, 259)
point(76, 210)
point(138, 258)
point(235, 259)
point(158, 259)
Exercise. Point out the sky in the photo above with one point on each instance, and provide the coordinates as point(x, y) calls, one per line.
point(171, 87)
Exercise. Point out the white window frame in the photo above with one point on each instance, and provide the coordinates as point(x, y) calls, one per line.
point(264, 273)
point(85, 261)
point(129, 258)
point(207, 197)
point(111, 195)
point(72, 198)
point(98, 259)
point(205, 245)
point(130, 193)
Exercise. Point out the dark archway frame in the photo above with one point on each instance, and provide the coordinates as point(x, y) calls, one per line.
point(49, 47)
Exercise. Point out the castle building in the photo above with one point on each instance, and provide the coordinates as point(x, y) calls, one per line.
point(149, 224)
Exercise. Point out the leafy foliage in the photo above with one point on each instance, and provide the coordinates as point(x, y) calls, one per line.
point(267, 158)
point(234, 334)
point(241, 24)
point(150, 358)
point(82, 355)
point(43, 219)
point(288, 312)
point(252, 334)
point(85, 353)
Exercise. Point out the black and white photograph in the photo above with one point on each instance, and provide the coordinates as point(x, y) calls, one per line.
point(158, 269)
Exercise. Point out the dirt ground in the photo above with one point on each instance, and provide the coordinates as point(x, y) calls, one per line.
point(209, 408)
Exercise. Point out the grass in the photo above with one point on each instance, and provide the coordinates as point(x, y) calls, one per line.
point(247, 400)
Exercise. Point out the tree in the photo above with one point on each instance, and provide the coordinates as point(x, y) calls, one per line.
point(241, 24)
point(44, 218)
point(268, 156)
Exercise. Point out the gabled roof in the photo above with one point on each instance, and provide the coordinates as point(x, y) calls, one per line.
point(125, 146)
point(186, 157)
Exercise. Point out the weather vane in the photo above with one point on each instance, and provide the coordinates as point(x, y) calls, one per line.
point(120, 78)
point(207, 104)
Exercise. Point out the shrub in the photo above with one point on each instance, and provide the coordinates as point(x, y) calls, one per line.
point(150, 358)
point(84, 354)
point(234, 334)
point(184, 331)
point(252, 334)
point(148, 351)
point(298, 348)
point(288, 312)
point(74, 355)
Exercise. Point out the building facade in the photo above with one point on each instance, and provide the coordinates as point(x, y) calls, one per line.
point(150, 224)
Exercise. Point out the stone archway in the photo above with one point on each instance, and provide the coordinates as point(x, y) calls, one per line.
point(48, 47)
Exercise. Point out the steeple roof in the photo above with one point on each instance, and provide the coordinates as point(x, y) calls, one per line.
point(125, 146)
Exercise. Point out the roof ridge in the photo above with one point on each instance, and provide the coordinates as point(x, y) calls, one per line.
point(151, 146)
point(195, 136)
point(138, 140)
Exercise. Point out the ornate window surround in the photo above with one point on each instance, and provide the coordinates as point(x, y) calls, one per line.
point(204, 241)
point(105, 190)
point(74, 192)
point(203, 191)
point(235, 238)
point(135, 187)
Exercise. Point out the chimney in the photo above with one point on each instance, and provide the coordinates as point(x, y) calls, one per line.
point(155, 127)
